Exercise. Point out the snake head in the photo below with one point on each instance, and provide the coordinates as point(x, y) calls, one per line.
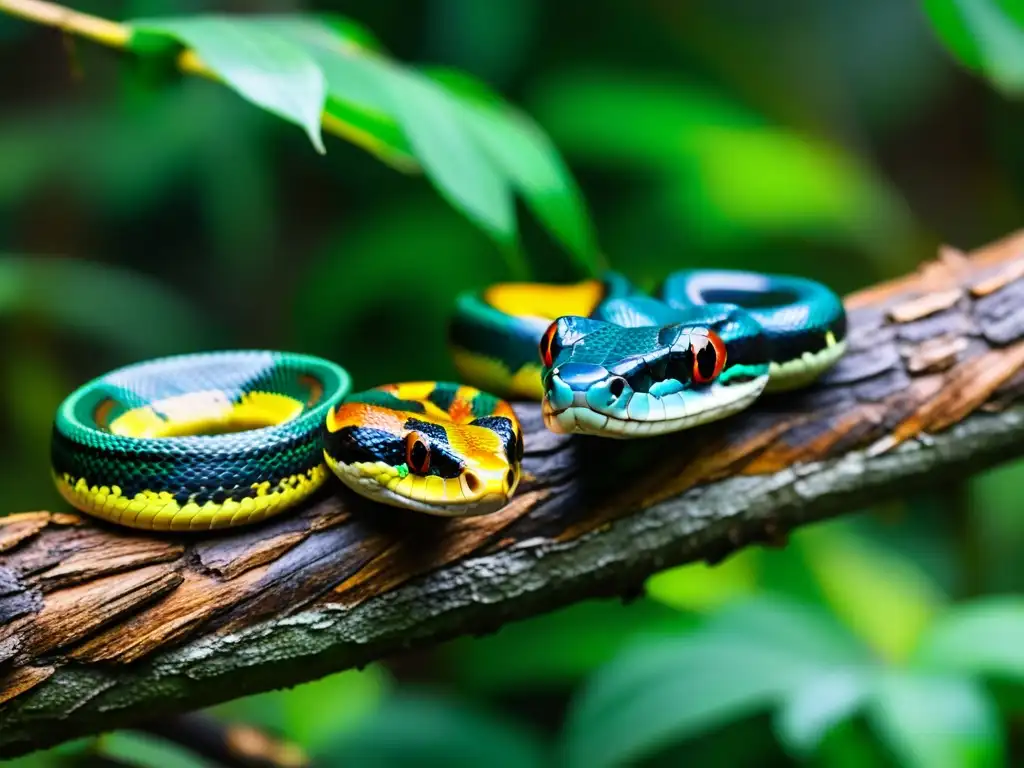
point(423, 446)
point(605, 379)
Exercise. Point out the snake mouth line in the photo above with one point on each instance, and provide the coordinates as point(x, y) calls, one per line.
point(362, 477)
point(581, 419)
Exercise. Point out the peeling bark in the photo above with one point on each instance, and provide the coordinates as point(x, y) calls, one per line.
point(102, 627)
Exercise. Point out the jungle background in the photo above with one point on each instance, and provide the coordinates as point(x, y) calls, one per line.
point(143, 213)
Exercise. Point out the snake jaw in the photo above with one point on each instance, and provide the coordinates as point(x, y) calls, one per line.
point(610, 407)
point(480, 492)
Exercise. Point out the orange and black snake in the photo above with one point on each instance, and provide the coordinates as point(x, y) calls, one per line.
point(218, 439)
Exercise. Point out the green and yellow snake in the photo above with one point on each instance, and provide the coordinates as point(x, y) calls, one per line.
point(219, 439)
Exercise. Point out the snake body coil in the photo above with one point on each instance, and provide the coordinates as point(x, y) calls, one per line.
point(212, 440)
point(619, 363)
point(196, 441)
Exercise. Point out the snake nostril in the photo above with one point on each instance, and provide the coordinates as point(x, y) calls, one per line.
point(510, 478)
point(617, 386)
point(472, 482)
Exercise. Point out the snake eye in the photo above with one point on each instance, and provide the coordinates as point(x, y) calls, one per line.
point(549, 347)
point(708, 356)
point(417, 454)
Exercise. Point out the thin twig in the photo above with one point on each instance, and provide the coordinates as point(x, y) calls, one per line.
point(94, 28)
point(116, 35)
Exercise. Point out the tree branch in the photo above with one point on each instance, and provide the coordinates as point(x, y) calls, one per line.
point(100, 627)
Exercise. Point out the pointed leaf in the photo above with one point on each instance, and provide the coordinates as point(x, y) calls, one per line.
point(986, 36)
point(450, 154)
point(812, 710)
point(359, 106)
point(263, 66)
point(878, 594)
point(658, 693)
point(937, 722)
point(529, 160)
point(984, 637)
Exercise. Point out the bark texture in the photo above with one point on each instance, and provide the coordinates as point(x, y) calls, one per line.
point(102, 627)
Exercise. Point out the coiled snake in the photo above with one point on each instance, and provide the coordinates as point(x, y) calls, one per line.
point(219, 439)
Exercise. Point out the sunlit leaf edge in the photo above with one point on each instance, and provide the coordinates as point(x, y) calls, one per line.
point(297, 96)
point(386, 134)
point(511, 136)
point(984, 37)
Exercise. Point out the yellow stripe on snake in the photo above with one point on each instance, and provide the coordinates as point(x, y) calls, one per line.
point(213, 440)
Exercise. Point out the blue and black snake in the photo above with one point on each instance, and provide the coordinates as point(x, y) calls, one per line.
point(212, 440)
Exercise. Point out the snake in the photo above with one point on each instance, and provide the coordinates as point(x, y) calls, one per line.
point(607, 359)
point(435, 447)
point(212, 440)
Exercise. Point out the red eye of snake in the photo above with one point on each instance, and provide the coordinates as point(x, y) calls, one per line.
point(417, 454)
point(547, 345)
point(708, 356)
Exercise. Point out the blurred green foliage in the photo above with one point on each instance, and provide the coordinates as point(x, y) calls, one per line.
point(143, 213)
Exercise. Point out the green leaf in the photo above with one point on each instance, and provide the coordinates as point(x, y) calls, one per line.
point(330, 31)
point(937, 722)
point(660, 692)
point(880, 595)
point(264, 67)
point(984, 637)
point(134, 314)
point(810, 712)
point(529, 160)
point(358, 106)
point(986, 36)
point(326, 72)
point(451, 157)
point(420, 730)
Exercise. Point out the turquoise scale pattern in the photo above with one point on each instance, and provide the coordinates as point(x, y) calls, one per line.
point(203, 467)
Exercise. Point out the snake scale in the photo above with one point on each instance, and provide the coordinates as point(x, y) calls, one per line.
point(219, 439)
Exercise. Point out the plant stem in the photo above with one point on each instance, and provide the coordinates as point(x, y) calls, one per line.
point(116, 35)
point(82, 24)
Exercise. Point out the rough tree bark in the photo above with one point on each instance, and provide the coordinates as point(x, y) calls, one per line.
point(100, 627)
